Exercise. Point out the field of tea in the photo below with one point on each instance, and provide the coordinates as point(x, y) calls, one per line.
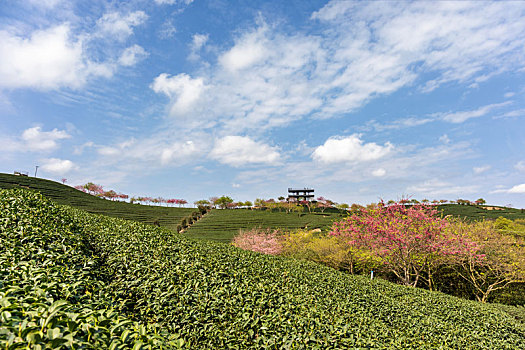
point(72, 279)
point(62, 194)
point(223, 225)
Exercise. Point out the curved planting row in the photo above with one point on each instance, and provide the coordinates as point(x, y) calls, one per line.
point(69, 278)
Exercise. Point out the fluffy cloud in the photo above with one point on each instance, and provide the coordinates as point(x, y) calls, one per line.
point(56, 57)
point(350, 149)
point(57, 166)
point(47, 59)
point(247, 51)
point(517, 189)
point(184, 91)
point(240, 150)
point(118, 26)
point(132, 55)
point(34, 139)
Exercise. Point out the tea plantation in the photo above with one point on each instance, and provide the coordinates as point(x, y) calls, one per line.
point(70, 279)
point(479, 212)
point(223, 225)
point(62, 194)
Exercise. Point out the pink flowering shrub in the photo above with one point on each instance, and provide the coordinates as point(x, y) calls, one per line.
point(265, 241)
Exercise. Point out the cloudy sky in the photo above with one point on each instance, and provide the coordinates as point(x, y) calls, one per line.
point(192, 99)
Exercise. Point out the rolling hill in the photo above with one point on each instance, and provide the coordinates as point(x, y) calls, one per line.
point(71, 278)
point(67, 195)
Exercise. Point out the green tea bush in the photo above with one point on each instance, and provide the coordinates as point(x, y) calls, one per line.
point(50, 283)
point(75, 280)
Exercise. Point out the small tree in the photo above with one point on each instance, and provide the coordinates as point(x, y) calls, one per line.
point(490, 260)
point(324, 203)
point(259, 202)
point(480, 201)
point(223, 202)
point(299, 209)
point(343, 207)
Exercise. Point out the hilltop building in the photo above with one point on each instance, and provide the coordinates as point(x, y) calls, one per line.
point(300, 194)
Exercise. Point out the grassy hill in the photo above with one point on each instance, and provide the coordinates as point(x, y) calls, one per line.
point(222, 225)
point(478, 212)
point(70, 278)
point(62, 194)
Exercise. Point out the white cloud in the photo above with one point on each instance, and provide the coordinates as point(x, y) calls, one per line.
point(246, 52)
point(79, 150)
point(379, 172)
point(481, 169)
point(49, 4)
point(47, 59)
point(198, 41)
point(460, 117)
point(241, 150)
point(436, 187)
point(520, 166)
point(118, 26)
point(117, 150)
point(178, 151)
point(350, 149)
point(512, 114)
point(34, 139)
point(184, 90)
point(132, 55)
point(167, 30)
point(445, 139)
point(517, 189)
point(57, 166)
point(401, 123)
point(172, 2)
point(108, 151)
point(358, 51)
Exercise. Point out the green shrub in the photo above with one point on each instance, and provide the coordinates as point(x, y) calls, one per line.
point(502, 223)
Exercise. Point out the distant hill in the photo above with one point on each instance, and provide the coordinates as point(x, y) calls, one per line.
point(218, 225)
point(67, 195)
point(478, 212)
point(223, 225)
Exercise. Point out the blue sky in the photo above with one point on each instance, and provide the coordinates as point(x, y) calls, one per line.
point(192, 99)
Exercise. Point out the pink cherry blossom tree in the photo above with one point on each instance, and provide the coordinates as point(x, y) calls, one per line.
point(409, 241)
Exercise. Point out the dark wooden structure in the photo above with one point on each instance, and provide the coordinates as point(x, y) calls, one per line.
point(298, 194)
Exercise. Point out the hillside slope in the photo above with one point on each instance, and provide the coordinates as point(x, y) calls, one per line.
point(223, 225)
point(201, 294)
point(479, 212)
point(62, 194)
